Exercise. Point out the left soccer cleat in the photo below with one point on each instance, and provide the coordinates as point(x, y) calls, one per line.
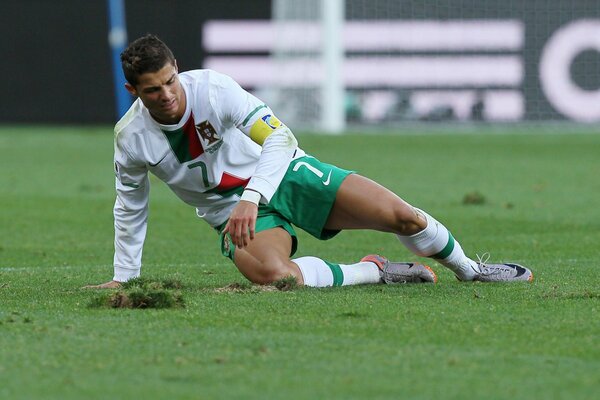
point(401, 272)
point(505, 272)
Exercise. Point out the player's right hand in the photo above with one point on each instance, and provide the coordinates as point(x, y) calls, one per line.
point(242, 223)
point(106, 285)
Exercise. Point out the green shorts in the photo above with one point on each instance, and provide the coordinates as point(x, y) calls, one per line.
point(304, 198)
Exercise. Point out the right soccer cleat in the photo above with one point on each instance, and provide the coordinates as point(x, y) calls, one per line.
point(401, 272)
point(505, 272)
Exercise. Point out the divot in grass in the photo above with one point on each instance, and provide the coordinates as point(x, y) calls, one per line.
point(282, 285)
point(142, 293)
point(238, 287)
point(474, 198)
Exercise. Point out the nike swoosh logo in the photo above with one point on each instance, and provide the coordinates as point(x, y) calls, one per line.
point(520, 270)
point(328, 180)
point(159, 161)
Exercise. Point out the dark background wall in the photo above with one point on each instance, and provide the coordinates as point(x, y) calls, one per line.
point(56, 64)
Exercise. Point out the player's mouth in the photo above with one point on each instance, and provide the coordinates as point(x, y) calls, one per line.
point(170, 106)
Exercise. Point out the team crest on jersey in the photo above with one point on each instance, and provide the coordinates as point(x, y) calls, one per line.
point(209, 134)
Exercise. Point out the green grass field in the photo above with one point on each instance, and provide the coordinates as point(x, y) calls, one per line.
point(449, 341)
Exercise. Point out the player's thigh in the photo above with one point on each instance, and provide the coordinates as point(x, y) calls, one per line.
point(364, 204)
point(267, 257)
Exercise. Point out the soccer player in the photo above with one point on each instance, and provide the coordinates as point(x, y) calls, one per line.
point(223, 151)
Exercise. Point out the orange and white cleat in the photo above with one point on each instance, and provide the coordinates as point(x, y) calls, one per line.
point(401, 272)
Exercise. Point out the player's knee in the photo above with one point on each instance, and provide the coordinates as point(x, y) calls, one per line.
point(270, 271)
point(407, 221)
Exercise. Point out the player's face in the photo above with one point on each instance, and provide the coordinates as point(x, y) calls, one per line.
point(161, 93)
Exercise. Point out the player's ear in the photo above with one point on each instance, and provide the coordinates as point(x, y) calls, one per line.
point(175, 65)
point(131, 89)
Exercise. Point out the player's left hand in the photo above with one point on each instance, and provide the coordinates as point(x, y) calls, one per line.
point(106, 285)
point(241, 224)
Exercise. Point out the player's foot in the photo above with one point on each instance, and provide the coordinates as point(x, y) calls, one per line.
point(505, 272)
point(401, 272)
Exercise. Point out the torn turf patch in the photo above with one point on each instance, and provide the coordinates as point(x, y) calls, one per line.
point(142, 293)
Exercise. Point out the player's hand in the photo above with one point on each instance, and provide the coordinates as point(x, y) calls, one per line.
point(106, 285)
point(241, 223)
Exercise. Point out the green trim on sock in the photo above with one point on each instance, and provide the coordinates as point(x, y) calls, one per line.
point(446, 251)
point(338, 275)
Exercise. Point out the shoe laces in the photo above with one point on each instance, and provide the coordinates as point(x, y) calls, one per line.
point(486, 270)
point(481, 262)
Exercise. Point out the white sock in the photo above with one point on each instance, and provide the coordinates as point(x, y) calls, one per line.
point(319, 273)
point(360, 273)
point(435, 241)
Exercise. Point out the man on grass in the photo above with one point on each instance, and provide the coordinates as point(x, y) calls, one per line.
point(223, 151)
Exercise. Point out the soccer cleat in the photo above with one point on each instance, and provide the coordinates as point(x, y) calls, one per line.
point(401, 272)
point(506, 272)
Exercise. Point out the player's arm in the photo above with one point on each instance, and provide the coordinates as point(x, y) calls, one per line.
point(257, 121)
point(278, 147)
point(130, 219)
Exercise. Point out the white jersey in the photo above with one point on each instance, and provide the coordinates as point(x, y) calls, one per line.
point(206, 159)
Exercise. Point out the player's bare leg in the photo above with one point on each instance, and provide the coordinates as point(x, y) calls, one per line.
point(266, 259)
point(364, 204)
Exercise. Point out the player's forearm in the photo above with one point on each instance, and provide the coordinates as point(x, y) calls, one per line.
point(277, 152)
point(129, 242)
point(130, 233)
point(123, 274)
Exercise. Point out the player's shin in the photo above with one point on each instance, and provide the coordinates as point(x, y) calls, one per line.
point(436, 241)
point(320, 273)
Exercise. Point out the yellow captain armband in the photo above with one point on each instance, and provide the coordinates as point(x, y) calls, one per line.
point(263, 127)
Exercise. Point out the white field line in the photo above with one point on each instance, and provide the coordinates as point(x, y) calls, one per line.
point(146, 268)
point(56, 268)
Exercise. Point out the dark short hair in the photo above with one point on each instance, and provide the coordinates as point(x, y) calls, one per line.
point(145, 54)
